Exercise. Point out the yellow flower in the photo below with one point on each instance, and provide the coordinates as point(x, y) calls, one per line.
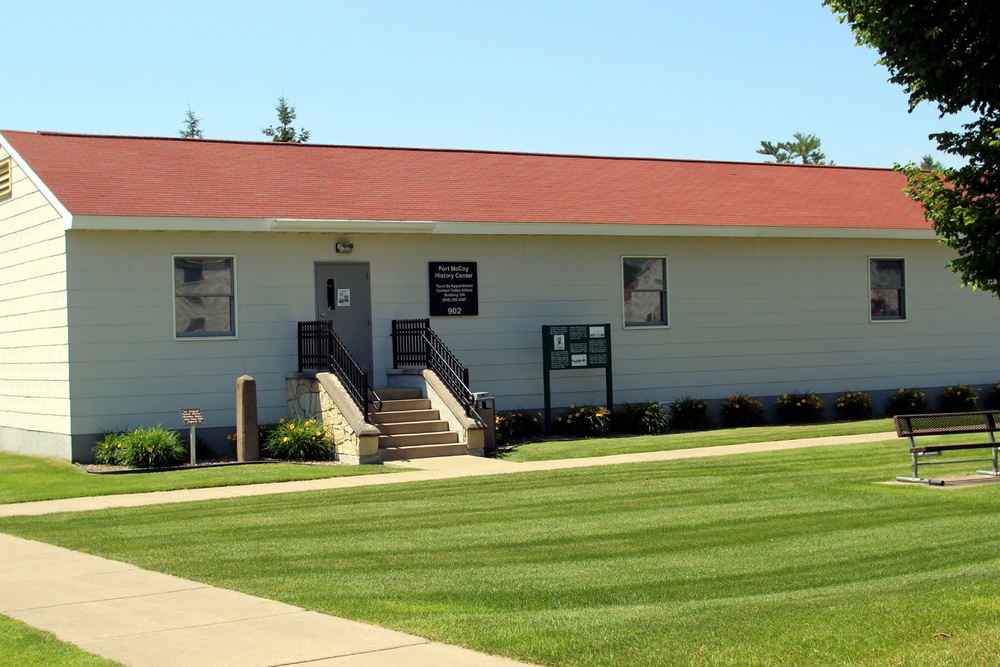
point(281, 421)
point(285, 439)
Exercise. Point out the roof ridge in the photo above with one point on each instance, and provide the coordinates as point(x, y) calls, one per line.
point(468, 151)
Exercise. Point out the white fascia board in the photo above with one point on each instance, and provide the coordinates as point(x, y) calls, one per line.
point(63, 212)
point(718, 231)
point(356, 226)
point(157, 224)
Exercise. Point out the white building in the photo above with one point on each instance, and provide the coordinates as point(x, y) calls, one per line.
point(139, 276)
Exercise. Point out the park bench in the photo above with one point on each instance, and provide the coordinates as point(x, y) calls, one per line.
point(956, 423)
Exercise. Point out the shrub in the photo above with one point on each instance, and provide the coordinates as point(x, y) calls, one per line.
point(298, 440)
point(642, 418)
point(799, 408)
point(740, 410)
point(993, 398)
point(514, 426)
point(689, 414)
point(959, 399)
point(853, 405)
point(584, 422)
point(906, 402)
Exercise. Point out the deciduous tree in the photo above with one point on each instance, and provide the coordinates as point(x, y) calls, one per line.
point(944, 52)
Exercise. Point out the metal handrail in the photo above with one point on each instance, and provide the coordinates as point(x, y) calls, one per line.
point(320, 349)
point(414, 343)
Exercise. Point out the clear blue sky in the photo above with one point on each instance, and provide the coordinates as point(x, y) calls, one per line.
point(707, 79)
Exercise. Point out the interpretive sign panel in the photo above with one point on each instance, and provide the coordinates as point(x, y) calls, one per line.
point(575, 347)
point(454, 288)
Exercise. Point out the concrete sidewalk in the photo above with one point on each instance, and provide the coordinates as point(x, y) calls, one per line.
point(148, 619)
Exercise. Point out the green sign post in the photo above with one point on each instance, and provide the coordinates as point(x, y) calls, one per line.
point(575, 346)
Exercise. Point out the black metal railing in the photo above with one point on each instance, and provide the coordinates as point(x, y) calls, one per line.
point(320, 349)
point(414, 343)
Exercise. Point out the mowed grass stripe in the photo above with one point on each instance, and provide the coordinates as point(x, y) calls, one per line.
point(795, 557)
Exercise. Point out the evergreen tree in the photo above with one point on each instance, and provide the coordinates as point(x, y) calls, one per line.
point(192, 126)
point(804, 149)
point(284, 132)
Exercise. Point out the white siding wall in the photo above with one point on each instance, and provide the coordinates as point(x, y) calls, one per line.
point(34, 393)
point(761, 316)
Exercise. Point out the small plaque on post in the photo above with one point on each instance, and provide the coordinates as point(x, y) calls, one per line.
point(192, 417)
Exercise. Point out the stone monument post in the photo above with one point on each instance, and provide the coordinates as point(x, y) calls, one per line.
point(247, 433)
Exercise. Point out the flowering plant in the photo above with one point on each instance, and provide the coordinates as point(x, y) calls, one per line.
point(799, 408)
point(689, 414)
point(642, 418)
point(517, 426)
point(584, 422)
point(154, 447)
point(853, 405)
point(959, 398)
point(740, 410)
point(298, 440)
point(906, 402)
point(993, 398)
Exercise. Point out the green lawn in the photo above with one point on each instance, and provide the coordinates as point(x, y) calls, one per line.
point(25, 646)
point(577, 449)
point(26, 478)
point(797, 557)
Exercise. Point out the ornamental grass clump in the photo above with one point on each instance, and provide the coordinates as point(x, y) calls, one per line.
point(154, 447)
point(906, 402)
point(740, 410)
point(517, 426)
point(853, 406)
point(799, 408)
point(959, 398)
point(646, 418)
point(584, 422)
point(298, 440)
point(689, 414)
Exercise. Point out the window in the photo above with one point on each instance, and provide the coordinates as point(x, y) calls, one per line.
point(204, 297)
point(6, 179)
point(644, 281)
point(886, 281)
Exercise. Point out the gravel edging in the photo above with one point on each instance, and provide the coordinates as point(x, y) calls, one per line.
point(99, 469)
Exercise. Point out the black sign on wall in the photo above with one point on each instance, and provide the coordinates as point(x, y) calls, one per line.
point(454, 288)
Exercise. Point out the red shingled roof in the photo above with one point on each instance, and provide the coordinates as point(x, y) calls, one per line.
point(134, 176)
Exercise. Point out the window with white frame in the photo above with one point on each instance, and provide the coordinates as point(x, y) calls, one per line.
point(887, 286)
point(644, 282)
point(204, 297)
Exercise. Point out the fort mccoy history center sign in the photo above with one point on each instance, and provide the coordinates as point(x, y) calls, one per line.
point(454, 288)
point(575, 347)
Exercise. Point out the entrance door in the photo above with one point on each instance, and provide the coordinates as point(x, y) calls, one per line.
point(343, 296)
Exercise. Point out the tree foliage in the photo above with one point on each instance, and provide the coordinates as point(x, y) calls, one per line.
point(944, 52)
point(804, 149)
point(284, 132)
point(192, 126)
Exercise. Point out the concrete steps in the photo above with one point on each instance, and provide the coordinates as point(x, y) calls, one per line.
point(411, 429)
